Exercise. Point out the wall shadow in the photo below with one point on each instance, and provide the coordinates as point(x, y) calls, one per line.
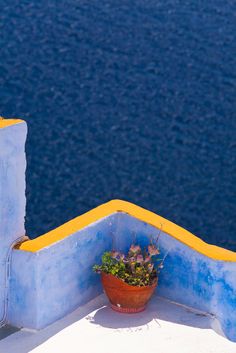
point(7, 330)
point(158, 310)
point(98, 312)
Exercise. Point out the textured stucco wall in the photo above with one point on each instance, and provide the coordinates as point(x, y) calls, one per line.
point(61, 278)
point(55, 280)
point(12, 193)
point(188, 277)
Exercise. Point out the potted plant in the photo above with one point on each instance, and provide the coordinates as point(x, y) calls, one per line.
point(129, 280)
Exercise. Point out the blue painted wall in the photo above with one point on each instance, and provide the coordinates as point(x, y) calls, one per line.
point(57, 279)
point(188, 277)
point(12, 195)
point(125, 99)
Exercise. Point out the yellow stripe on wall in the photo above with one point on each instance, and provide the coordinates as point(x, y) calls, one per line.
point(9, 122)
point(177, 232)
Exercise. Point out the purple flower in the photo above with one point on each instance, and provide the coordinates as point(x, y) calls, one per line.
point(125, 260)
point(139, 259)
point(147, 259)
point(114, 254)
point(135, 249)
point(152, 249)
point(132, 259)
point(117, 255)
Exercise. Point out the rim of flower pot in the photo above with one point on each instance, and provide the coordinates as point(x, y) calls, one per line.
point(130, 286)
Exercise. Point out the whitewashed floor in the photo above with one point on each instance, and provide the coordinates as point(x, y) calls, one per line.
point(94, 328)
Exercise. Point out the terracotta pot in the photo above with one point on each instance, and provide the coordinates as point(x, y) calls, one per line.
point(124, 297)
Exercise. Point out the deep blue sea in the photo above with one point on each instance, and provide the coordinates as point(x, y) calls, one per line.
point(125, 99)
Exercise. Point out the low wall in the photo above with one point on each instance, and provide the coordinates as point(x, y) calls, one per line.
point(189, 277)
point(56, 269)
point(57, 279)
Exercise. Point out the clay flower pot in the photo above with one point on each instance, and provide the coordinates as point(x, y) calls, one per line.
point(124, 297)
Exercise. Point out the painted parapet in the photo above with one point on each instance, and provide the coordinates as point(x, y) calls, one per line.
point(12, 195)
point(196, 274)
point(58, 278)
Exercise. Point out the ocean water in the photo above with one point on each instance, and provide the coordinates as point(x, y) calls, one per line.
point(125, 99)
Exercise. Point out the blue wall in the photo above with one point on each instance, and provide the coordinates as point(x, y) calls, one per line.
point(58, 278)
point(188, 277)
point(12, 198)
point(125, 99)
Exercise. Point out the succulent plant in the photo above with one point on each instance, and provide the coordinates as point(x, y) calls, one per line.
point(139, 267)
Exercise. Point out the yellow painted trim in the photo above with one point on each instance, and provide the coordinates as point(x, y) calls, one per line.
point(9, 122)
point(140, 213)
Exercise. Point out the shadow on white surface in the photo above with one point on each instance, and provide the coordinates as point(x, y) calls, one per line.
point(88, 324)
point(157, 310)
